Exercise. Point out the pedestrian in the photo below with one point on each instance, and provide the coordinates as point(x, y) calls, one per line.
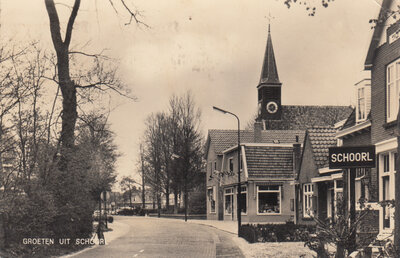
point(100, 234)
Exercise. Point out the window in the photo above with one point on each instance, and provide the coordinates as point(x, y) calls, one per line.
point(243, 199)
point(392, 90)
point(385, 197)
point(241, 163)
point(387, 188)
point(361, 104)
point(308, 192)
point(231, 165)
point(386, 163)
point(215, 165)
point(268, 199)
point(211, 199)
point(228, 204)
point(361, 185)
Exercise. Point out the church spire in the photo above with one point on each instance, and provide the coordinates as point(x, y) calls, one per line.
point(269, 72)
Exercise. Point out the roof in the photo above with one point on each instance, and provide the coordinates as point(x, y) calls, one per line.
point(303, 117)
point(351, 120)
point(269, 162)
point(380, 26)
point(321, 139)
point(269, 72)
point(224, 139)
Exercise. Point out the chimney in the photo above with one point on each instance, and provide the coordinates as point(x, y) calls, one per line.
point(296, 157)
point(258, 126)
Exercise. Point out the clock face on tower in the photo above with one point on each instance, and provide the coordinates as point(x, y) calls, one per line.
point(272, 107)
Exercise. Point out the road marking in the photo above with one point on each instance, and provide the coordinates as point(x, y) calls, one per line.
point(141, 251)
point(135, 255)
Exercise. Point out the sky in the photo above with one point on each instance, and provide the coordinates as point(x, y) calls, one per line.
point(214, 49)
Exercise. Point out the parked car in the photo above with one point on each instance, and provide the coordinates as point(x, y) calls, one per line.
point(126, 211)
point(96, 216)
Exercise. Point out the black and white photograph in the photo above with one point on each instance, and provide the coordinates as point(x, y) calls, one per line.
point(199, 128)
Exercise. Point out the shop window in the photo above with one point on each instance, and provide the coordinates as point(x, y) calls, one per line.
point(269, 199)
point(228, 201)
point(243, 199)
point(308, 192)
point(211, 199)
point(392, 90)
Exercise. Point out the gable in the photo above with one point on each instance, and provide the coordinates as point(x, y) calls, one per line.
point(308, 169)
point(379, 36)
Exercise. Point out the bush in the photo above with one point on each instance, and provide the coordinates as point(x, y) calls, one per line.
point(288, 232)
point(250, 233)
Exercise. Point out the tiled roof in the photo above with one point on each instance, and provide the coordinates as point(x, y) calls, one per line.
point(269, 72)
point(321, 138)
point(269, 162)
point(351, 120)
point(303, 117)
point(224, 139)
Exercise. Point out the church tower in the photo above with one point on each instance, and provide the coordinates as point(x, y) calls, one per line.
point(269, 87)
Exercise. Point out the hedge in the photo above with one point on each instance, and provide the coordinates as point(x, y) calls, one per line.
point(288, 232)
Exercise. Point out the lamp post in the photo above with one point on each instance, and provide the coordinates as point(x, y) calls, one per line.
point(239, 212)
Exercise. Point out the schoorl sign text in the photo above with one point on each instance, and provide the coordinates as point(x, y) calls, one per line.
point(352, 157)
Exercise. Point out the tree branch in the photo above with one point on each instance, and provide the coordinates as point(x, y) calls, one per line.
point(54, 24)
point(71, 21)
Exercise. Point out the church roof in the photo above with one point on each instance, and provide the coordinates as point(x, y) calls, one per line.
point(269, 162)
point(269, 72)
point(224, 139)
point(303, 117)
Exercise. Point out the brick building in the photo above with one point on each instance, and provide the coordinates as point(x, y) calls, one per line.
point(383, 61)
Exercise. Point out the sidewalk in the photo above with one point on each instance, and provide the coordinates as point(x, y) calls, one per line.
point(228, 226)
point(260, 250)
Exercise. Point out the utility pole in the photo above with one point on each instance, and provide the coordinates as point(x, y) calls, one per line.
point(143, 191)
point(397, 193)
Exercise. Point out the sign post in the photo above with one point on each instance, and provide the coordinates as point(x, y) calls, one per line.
point(349, 158)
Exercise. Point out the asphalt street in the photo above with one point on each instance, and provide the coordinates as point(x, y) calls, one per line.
point(153, 237)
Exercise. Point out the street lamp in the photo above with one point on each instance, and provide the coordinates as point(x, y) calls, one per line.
point(239, 212)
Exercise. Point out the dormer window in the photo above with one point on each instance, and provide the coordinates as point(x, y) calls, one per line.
point(363, 94)
point(392, 90)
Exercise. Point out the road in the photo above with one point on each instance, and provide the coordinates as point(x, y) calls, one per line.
point(153, 237)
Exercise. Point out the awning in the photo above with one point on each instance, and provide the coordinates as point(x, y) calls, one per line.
point(327, 178)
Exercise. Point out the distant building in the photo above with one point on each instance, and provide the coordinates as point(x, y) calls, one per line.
point(270, 154)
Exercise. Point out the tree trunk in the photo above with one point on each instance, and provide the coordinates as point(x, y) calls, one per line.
point(130, 198)
point(67, 86)
point(340, 251)
point(176, 201)
point(2, 232)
